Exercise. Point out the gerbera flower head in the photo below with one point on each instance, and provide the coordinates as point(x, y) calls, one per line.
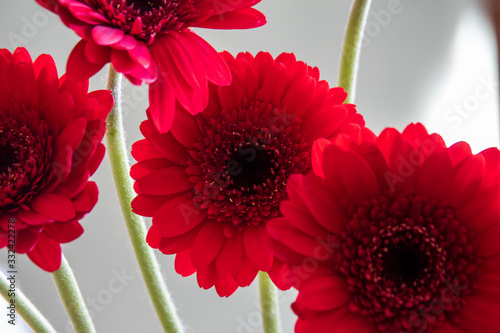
point(396, 233)
point(150, 41)
point(217, 177)
point(50, 134)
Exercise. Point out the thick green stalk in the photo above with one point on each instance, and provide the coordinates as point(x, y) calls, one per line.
point(24, 307)
point(72, 298)
point(269, 304)
point(118, 160)
point(352, 47)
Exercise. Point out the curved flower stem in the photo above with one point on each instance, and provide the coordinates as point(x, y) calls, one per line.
point(118, 159)
point(72, 298)
point(25, 308)
point(352, 47)
point(269, 304)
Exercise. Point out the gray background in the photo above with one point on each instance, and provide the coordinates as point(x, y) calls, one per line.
point(424, 63)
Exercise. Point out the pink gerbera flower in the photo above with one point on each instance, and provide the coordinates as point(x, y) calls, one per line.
point(150, 41)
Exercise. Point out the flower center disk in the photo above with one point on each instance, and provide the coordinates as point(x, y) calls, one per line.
point(147, 19)
point(247, 156)
point(24, 157)
point(405, 257)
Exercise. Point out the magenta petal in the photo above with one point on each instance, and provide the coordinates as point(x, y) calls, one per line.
point(103, 35)
point(140, 53)
point(239, 19)
point(85, 13)
point(78, 66)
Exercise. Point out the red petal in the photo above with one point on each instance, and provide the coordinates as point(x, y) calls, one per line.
point(435, 175)
point(78, 66)
point(144, 150)
point(207, 244)
point(140, 53)
point(230, 258)
point(72, 134)
point(32, 218)
point(185, 129)
point(165, 143)
point(147, 205)
point(161, 104)
point(299, 97)
point(358, 178)
point(97, 54)
point(207, 276)
point(26, 239)
point(240, 19)
point(178, 216)
point(87, 199)
point(183, 263)
point(323, 206)
point(256, 248)
point(62, 110)
point(145, 167)
point(56, 207)
point(122, 61)
point(173, 245)
point(84, 13)
point(26, 88)
point(326, 293)
point(282, 230)
point(467, 177)
point(164, 181)
point(225, 288)
point(215, 67)
point(46, 254)
point(63, 232)
point(187, 95)
point(47, 78)
point(103, 35)
point(247, 273)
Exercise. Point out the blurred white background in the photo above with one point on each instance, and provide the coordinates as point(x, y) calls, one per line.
point(428, 61)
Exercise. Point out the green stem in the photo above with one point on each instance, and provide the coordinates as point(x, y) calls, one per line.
point(25, 308)
point(72, 298)
point(269, 304)
point(118, 159)
point(352, 47)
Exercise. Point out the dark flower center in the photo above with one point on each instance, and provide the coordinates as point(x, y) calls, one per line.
point(8, 157)
point(403, 256)
point(249, 165)
point(145, 5)
point(246, 157)
point(25, 151)
point(404, 263)
point(147, 19)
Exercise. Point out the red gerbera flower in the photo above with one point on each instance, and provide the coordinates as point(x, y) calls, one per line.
point(394, 234)
point(150, 41)
point(214, 180)
point(50, 134)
